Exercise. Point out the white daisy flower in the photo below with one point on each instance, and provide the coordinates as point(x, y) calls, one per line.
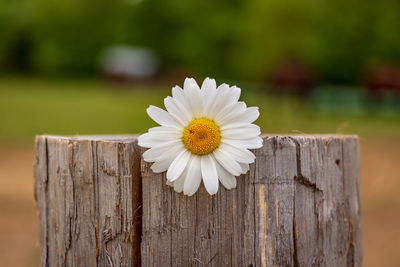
point(204, 136)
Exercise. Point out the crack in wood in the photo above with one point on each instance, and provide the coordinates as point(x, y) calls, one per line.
point(46, 193)
point(295, 235)
point(297, 206)
point(306, 182)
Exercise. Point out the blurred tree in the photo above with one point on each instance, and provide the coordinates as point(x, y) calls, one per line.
point(71, 34)
point(344, 32)
point(272, 30)
point(338, 39)
point(16, 40)
point(193, 34)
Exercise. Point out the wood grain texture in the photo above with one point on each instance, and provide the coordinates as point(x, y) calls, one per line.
point(299, 205)
point(101, 205)
point(88, 201)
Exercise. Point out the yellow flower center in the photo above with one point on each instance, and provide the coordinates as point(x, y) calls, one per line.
point(201, 136)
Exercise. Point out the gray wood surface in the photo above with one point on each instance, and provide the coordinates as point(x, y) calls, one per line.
point(100, 205)
point(88, 195)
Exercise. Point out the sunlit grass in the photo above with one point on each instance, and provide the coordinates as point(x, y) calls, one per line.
point(34, 106)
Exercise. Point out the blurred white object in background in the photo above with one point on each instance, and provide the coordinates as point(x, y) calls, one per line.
point(124, 62)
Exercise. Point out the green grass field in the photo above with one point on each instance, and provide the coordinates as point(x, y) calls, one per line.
point(30, 106)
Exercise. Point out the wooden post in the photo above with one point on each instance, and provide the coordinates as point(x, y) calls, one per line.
point(101, 205)
point(88, 194)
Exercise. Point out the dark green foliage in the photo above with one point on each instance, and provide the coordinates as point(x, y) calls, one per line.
point(338, 39)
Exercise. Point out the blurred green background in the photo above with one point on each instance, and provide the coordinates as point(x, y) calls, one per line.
point(311, 66)
point(338, 40)
point(92, 67)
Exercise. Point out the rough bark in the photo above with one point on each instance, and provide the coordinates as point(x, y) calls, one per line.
point(299, 205)
point(88, 195)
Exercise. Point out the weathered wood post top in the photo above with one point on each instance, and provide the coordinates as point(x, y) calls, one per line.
point(101, 205)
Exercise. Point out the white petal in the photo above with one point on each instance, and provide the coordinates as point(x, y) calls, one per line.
point(227, 162)
point(194, 97)
point(225, 96)
point(190, 82)
point(249, 131)
point(193, 178)
point(238, 109)
point(226, 110)
point(152, 140)
point(146, 140)
point(178, 165)
point(154, 153)
point(182, 102)
point(234, 94)
point(178, 184)
point(174, 110)
point(238, 153)
point(252, 143)
point(162, 117)
point(249, 115)
point(208, 90)
point(178, 94)
point(163, 161)
point(230, 126)
point(227, 179)
point(219, 101)
point(164, 130)
point(161, 165)
point(209, 173)
point(188, 115)
point(245, 167)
